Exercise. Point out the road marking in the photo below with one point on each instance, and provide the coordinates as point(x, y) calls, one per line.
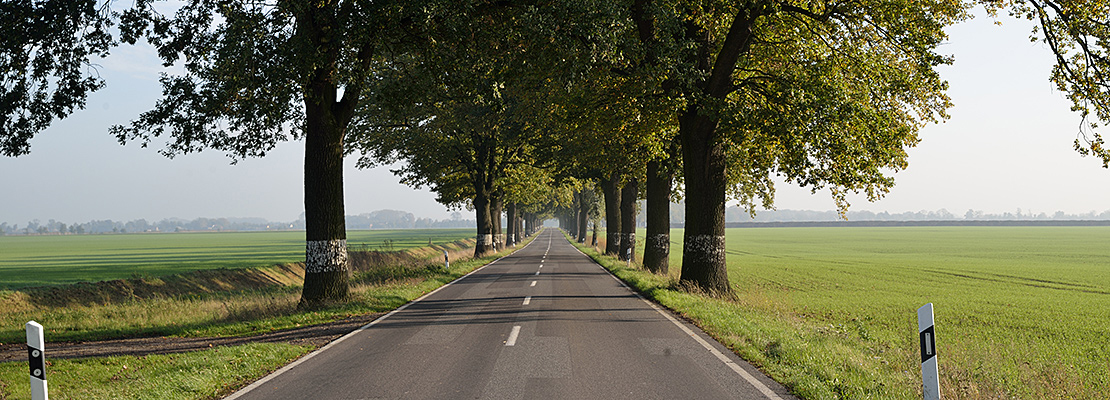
point(541, 265)
point(533, 283)
point(512, 336)
point(770, 394)
point(309, 356)
point(537, 272)
point(527, 300)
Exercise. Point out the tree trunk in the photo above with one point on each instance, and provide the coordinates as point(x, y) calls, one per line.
point(527, 224)
point(657, 244)
point(609, 187)
point(484, 243)
point(495, 208)
point(327, 275)
point(571, 216)
point(703, 156)
point(510, 227)
point(594, 241)
point(629, 194)
point(518, 227)
point(583, 218)
point(703, 241)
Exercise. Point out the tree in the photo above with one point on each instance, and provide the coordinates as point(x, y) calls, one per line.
point(478, 88)
point(630, 192)
point(657, 240)
point(1077, 33)
point(822, 93)
point(45, 66)
point(259, 73)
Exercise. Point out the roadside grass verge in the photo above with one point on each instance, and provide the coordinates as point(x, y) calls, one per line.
point(812, 366)
point(227, 302)
point(215, 373)
point(831, 312)
point(208, 374)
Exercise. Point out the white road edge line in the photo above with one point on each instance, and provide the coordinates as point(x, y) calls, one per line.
point(527, 300)
point(512, 336)
point(770, 394)
point(308, 356)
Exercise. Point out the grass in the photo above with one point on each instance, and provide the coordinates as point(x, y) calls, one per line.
point(213, 373)
point(831, 312)
point(208, 374)
point(27, 261)
point(229, 312)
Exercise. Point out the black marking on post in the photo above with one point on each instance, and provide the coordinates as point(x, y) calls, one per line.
point(37, 361)
point(928, 344)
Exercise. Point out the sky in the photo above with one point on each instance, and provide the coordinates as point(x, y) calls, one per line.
point(1007, 146)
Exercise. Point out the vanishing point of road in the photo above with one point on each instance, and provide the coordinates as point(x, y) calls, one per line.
point(543, 323)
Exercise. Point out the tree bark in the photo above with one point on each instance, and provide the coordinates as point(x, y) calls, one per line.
point(629, 194)
point(594, 241)
point(327, 275)
point(609, 187)
point(657, 244)
point(518, 227)
point(703, 240)
point(703, 158)
point(528, 224)
point(496, 205)
point(484, 243)
point(510, 227)
point(583, 217)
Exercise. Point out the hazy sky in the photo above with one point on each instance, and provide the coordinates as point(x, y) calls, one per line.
point(1008, 145)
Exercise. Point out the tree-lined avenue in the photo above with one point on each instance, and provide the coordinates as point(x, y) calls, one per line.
point(544, 322)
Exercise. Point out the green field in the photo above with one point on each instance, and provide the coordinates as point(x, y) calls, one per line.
point(1021, 312)
point(49, 260)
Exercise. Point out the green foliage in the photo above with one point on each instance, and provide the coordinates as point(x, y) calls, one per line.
point(465, 110)
point(1077, 32)
point(252, 69)
point(45, 66)
point(824, 94)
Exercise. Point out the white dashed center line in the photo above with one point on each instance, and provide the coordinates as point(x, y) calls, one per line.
point(512, 336)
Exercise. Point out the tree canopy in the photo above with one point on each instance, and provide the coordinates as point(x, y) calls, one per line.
point(46, 71)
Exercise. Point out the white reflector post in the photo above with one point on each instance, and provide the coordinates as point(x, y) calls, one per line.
point(37, 360)
point(930, 377)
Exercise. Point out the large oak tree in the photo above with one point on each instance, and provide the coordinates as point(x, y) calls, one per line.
point(259, 73)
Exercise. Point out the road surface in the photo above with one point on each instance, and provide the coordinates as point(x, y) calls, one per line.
point(543, 323)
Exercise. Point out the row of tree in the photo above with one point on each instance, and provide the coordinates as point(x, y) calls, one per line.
point(381, 219)
point(528, 108)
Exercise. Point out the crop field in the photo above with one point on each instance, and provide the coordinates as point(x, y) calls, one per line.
point(1021, 312)
point(48, 260)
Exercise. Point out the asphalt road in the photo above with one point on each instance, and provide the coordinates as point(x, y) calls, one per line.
point(543, 323)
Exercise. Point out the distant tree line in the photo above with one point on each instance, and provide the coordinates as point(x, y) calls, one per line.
point(381, 219)
point(737, 214)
